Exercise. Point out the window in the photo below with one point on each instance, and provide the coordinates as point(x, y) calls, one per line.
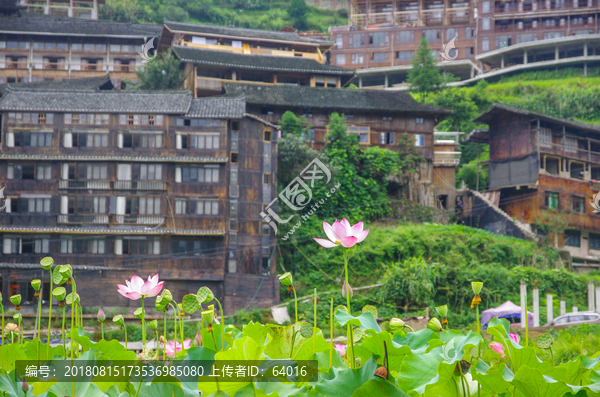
point(363, 133)
point(143, 206)
point(339, 41)
point(308, 134)
point(404, 56)
point(451, 33)
point(34, 139)
point(142, 139)
point(266, 178)
point(181, 206)
point(140, 119)
point(432, 35)
point(267, 135)
point(147, 172)
point(577, 170)
point(595, 241)
point(485, 23)
point(192, 247)
point(379, 57)
point(469, 52)
point(379, 39)
point(485, 7)
point(29, 204)
point(86, 139)
point(469, 33)
point(357, 40)
point(199, 174)
point(525, 38)
point(235, 125)
point(552, 166)
point(419, 140)
point(419, 120)
point(206, 207)
point(358, 58)
point(406, 37)
point(266, 230)
point(93, 171)
point(551, 199)
point(44, 172)
point(26, 245)
point(29, 171)
point(577, 204)
point(387, 138)
point(570, 144)
point(139, 246)
point(233, 157)
point(87, 118)
point(85, 245)
point(485, 44)
point(87, 205)
point(545, 137)
point(573, 238)
point(340, 59)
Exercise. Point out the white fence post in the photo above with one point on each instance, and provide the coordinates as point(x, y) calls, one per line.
point(536, 307)
point(549, 308)
point(523, 307)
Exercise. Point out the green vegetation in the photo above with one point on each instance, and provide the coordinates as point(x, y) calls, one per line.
point(162, 73)
point(253, 14)
point(424, 77)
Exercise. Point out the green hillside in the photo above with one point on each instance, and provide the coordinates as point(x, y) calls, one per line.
point(254, 14)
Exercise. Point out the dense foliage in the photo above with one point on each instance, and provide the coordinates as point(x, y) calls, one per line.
point(253, 14)
point(162, 73)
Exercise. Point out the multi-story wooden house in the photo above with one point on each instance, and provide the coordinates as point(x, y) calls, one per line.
point(546, 170)
point(37, 47)
point(119, 183)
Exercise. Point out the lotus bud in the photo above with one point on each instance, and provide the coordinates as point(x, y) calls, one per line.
point(153, 325)
point(382, 372)
point(477, 286)
point(396, 325)
point(118, 319)
point(25, 386)
point(198, 339)
point(15, 299)
point(47, 263)
point(36, 284)
point(435, 325)
point(101, 316)
point(161, 339)
point(286, 278)
point(349, 290)
point(59, 293)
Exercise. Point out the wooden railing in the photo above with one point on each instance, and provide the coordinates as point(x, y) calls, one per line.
point(91, 219)
point(246, 49)
point(74, 184)
point(138, 219)
point(139, 185)
point(446, 158)
point(73, 66)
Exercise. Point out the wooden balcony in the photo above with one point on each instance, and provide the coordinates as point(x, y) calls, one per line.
point(214, 84)
point(246, 49)
point(446, 158)
point(139, 185)
point(138, 219)
point(83, 219)
point(73, 184)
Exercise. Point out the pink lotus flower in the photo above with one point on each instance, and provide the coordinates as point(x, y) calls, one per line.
point(170, 348)
point(345, 291)
point(342, 233)
point(340, 349)
point(499, 348)
point(137, 288)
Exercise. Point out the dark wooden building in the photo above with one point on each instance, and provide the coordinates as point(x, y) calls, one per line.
point(118, 183)
point(546, 169)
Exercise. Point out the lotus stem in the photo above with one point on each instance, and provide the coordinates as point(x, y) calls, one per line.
point(39, 319)
point(315, 330)
point(174, 324)
point(295, 302)
point(63, 332)
point(350, 341)
point(50, 313)
point(125, 329)
point(180, 329)
point(143, 326)
point(222, 325)
point(165, 332)
point(2, 309)
point(102, 329)
point(526, 323)
point(331, 333)
point(20, 336)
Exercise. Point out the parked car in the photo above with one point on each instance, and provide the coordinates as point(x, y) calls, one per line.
point(576, 318)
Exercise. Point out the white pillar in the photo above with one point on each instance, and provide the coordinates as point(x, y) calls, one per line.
point(359, 81)
point(523, 307)
point(549, 308)
point(598, 298)
point(585, 49)
point(556, 53)
point(502, 62)
point(591, 294)
point(386, 85)
point(563, 307)
point(536, 307)
point(575, 309)
point(585, 68)
point(525, 57)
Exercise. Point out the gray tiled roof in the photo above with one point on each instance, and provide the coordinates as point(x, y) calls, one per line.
point(59, 25)
point(498, 109)
point(217, 107)
point(36, 266)
point(239, 32)
point(176, 101)
point(256, 62)
point(330, 98)
point(85, 84)
point(106, 230)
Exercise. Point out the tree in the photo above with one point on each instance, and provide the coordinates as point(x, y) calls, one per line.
point(298, 12)
point(293, 155)
point(162, 73)
point(464, 109)
point(290, 124)
point(424, 77)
